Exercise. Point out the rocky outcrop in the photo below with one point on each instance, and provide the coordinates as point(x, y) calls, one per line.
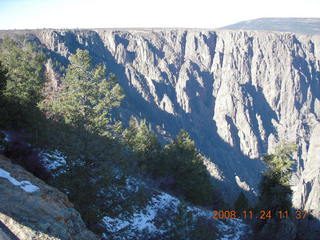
point(30, 209)
point(238, 93)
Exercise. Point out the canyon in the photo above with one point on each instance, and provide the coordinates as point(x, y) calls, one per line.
point(239, 93)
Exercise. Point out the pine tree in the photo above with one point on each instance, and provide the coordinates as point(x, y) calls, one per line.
point(144, 144)
point(86, 97)
point(241, 203)
point(275, 192)
point(181, 227)
point(3, 82)
point(83, 104)
point(3, 78)
point(130, 133)
point(186, 165)
point(21, 90)
point(25, 71)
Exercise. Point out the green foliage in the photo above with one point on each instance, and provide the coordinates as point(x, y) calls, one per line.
point(144, 144)
point(184, 163)
point(275, 192)
point(178, 166)
point(280, 162)
point(25, 77)
point(204, 229)
point(130, 133)
point(183, 225)
point(79, 124)
point(3, 78)
point(82, 186)
point(3, 83)
point(82, 107)
point(241, 203)
point(86, 96)
point(21, 82)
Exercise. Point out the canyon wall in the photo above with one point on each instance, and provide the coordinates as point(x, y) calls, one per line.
point(238, 93)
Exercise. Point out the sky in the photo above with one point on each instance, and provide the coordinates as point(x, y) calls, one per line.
point(31, 14)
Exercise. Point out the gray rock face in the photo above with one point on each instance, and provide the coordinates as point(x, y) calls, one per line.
point(32, 210)
point(307, 191)
point(238, 93)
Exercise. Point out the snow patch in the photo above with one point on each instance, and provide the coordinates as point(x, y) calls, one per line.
point(132, 184)
point(114, 224)
point(53, 160)
point(7, 137)
point(232, 229)
point(144, 219)
point(25, 185)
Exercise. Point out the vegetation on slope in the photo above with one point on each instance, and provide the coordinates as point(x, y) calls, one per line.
point(76, 119)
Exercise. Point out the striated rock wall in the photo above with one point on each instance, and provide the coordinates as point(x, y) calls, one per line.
point(32, 210)
point(238, 93)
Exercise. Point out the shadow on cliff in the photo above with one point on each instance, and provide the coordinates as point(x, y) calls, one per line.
point(260, 107)
point(209, 142)
point(228, 158)
point(309, 75)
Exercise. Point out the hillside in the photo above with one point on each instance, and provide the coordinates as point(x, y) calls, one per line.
point(295, 25)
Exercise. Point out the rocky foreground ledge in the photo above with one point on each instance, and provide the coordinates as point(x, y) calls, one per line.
point(32, 210)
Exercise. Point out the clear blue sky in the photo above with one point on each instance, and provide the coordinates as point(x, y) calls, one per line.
point(22, 14)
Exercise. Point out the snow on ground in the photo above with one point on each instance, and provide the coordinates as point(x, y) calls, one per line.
point(232, 229)
point(144, 219)
point(6, 136)
point(114, 224)
point(25, 185)
point(53, 160)
point(132, 184)
point(3, 139)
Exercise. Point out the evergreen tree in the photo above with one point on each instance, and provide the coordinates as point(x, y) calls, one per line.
point(275, 192)
point(21, 86)
point(144, 144)
point(25, 71)
point(3, 79)
point(130, 133)
point(181, 227)
point(81, 110)
point(241, 203)
point(3, 104)
point(84, 103)
point(186, 165)
point(86, 97)
point(145, 141)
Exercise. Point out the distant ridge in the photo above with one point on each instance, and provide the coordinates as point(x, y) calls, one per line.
point(295, 25)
